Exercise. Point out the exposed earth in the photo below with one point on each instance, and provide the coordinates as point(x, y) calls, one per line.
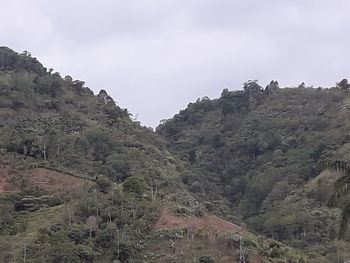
point(205, 236)
point(13, 180)
point(169, 220)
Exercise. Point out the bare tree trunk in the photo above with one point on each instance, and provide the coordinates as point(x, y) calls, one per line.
point(43, 150)
point(70, 217)
point(122, 201)
point(154, 193)
point(25, 253)
point(118, 243)
point(133, 209)
point(96, 203)
point(241, 251)
point(109, 215)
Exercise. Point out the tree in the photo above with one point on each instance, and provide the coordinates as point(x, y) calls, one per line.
point(104, 98)
point(273, 86)
point(134, 184)
point(343, 84)
point(100, 143)
point(91, 224)
point(192, 156)
point(252, 87)
point(341, 189)
point(103, 184)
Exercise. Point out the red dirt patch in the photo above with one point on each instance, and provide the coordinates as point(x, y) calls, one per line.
point(12, 180)
point(257, 259)
point(205, 236)
point(7, 115)
point(169, 220)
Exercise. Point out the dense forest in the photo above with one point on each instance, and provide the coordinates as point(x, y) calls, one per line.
point(264, 147)
point(225, 180)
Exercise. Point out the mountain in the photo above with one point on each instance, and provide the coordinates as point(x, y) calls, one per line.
point(261, 149)
point(80, 181)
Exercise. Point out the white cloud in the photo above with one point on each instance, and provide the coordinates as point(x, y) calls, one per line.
point(155, 56)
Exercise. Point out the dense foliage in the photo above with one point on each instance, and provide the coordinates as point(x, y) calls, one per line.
point(250, 156)
point(263, 148)
point(59, 124)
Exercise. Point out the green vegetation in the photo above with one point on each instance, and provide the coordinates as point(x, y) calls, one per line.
point(59, 124)
point(341, 190)
point(260, 149)
point(252, 157)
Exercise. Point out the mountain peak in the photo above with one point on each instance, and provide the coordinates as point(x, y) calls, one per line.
point(11, 60)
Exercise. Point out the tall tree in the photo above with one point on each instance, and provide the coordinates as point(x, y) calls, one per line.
point(341, 188)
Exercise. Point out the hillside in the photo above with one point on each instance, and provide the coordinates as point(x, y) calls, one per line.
point(80, 181)
point(261, 149)
point(80, 158)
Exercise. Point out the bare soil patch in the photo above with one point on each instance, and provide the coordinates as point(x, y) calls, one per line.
point(169, 220)
point(12, 180)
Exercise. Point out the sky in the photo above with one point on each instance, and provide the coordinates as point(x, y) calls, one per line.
point(156, 56)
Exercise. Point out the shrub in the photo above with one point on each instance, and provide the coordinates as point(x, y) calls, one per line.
point(206, 259)
point(134, 184)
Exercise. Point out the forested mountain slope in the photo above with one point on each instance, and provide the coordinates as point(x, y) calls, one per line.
point(80, 181)
point(262, 148)
point(52, 128)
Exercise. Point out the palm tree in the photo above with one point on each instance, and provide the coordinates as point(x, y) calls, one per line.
point(341, 189)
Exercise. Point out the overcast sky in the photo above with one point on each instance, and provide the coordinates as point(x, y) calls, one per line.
point(155, 56)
